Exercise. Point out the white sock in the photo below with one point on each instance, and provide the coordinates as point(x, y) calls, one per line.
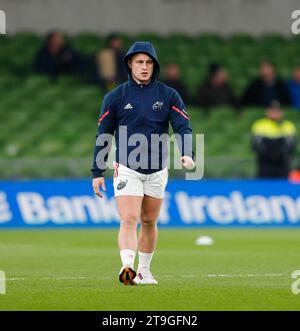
point(127, 257)
point(145, 259)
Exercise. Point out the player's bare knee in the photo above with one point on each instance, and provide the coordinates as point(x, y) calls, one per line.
point(148, 220)
point(129, 219)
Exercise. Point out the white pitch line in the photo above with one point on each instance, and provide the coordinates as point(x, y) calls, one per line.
point(162, 276)
point(63, 278)
point(16, 278)
point(235, 275)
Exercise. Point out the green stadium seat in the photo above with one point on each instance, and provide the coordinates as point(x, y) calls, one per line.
point(26, 38)
point(8, 81)
point(273, 40)
point(241, 40)
point(87, 42)
point(252, 114)
point(209, 39)
point(34, 82)
point(292, 115)
point(153, 37)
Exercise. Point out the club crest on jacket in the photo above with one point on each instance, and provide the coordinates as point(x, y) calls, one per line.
point(157, 105)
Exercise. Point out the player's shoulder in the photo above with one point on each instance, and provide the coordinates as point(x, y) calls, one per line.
point(167, 89)
point(115, 95)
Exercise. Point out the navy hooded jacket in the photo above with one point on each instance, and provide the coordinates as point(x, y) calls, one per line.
point(146, 109)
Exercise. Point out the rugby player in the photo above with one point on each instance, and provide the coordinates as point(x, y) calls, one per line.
point(142, 105)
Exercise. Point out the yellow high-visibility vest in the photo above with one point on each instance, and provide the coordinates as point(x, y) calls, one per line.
point(271, 129)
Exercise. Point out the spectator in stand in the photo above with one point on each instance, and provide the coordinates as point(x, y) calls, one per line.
point(274, 142)
point(173, 79)
point(267, 88)
point(216, 91)
point(109, 64)
point(57, 57)
point(115, 43)
point(294, 87)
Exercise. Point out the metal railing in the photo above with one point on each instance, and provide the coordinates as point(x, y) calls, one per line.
point(67, 167)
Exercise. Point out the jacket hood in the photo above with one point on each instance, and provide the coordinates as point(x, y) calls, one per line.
point(143, 47)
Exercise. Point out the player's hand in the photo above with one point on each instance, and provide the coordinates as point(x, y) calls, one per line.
point(97, 183)
point(187, 162)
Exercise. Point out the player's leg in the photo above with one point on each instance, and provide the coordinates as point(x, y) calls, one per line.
point(147, 238)
point(128, 190)
point(148, 228)
point(154, 188)
point(129, 208)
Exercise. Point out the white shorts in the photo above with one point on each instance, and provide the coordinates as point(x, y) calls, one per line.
point(131, 182)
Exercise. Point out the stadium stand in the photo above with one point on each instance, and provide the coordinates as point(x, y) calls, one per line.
point(47, 129)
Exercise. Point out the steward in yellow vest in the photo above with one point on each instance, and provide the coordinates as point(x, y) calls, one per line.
point(274, 141)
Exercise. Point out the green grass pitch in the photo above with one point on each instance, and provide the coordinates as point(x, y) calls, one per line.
point(78, 270)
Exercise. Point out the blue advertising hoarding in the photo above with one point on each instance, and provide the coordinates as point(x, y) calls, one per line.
point(71, 203)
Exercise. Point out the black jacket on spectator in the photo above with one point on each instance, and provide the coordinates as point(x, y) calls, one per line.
point(180, 87)
point(274, 143)
point(273, 156)
point(259, 94)
point(65, 62)
point(122, 74)
point(209, 96)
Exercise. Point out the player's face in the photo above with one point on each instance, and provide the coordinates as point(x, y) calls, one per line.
point(141, 67)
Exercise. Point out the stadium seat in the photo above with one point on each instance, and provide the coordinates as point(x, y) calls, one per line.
point(153, 37)
point(87, 43)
